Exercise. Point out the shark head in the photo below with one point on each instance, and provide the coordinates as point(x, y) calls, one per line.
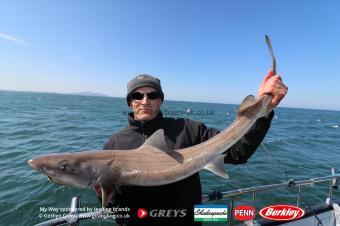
point(83, 170)
point(64, 169)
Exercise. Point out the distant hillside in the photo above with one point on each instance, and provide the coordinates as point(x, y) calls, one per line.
point(90, 94)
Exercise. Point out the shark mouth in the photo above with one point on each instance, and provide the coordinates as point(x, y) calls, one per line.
point(53, 180)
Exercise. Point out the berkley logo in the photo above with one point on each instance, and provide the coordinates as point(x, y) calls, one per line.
point(244, 213)
point(282, 212)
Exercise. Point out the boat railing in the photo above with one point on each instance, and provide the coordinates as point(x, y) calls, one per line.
point(74, 217)
point(291, 183)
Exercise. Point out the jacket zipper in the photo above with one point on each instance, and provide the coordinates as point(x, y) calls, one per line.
point(143, 132)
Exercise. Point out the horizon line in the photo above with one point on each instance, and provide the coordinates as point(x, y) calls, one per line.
point(190, 101)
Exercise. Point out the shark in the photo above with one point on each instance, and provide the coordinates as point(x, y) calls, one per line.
point(151, 164)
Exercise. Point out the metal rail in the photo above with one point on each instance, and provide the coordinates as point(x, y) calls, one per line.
point(217, 195)
point(290, 183)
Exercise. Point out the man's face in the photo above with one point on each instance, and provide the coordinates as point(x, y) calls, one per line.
point(145, 109)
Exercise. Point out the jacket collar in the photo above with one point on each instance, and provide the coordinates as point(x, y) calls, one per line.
point(149, 125)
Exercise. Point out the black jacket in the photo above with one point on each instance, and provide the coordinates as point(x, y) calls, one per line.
point(179, 133)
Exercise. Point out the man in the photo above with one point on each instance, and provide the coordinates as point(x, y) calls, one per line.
point(176, 200)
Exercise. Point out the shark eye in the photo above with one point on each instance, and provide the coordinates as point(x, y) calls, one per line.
point(64, 167)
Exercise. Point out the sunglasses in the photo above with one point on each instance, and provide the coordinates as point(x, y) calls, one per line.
point(139, 96)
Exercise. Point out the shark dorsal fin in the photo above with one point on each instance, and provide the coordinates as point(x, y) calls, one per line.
point(157, 140)
point(249, 101)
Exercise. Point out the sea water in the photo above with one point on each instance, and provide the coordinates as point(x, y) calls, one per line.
point(300, 144)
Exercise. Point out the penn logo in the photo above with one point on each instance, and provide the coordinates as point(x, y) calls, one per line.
point(244, 213)
point(282, 212)
point(142, 213)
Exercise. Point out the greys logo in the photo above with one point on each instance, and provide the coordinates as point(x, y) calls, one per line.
point(167, 213)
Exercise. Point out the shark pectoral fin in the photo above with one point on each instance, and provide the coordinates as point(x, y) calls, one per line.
point(107, 194)
point(217, 167)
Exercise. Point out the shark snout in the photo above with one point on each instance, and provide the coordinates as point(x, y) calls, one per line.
point(37, 164)
point(40, 166)
point(32, 163)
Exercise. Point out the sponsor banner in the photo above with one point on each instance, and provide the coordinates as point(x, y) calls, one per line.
point(244, 213)
point(282, 212)
point(211, 213)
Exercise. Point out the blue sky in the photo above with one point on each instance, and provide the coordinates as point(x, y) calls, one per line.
point(208, 51)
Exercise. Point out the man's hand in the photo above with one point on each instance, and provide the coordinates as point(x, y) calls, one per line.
point(273, 85)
